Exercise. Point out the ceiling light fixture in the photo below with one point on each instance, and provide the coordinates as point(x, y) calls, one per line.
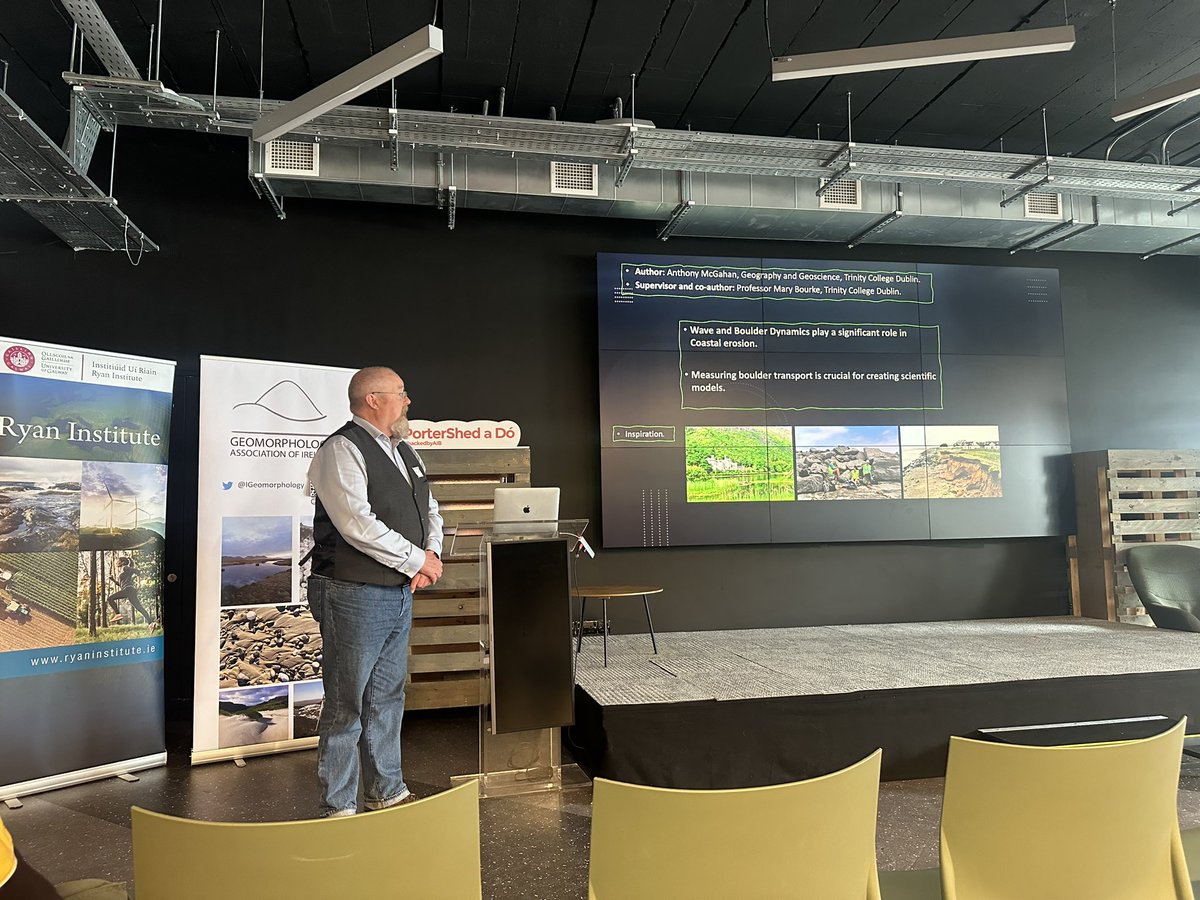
point(924, 53)
point(406, 54)
point(1166, 95)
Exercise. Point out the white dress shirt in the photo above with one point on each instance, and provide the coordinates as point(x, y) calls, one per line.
point(338, 474)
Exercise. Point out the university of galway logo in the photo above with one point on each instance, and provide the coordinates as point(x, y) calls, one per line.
point(18, 358)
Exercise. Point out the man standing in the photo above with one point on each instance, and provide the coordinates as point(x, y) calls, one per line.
point(377, 537)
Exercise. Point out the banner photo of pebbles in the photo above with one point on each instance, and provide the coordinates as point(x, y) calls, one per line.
point(268, 645)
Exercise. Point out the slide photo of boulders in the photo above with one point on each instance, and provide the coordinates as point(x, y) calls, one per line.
point(307, 699)
point(39, 505)
point(268, 645)
point(123, 506)
point(253, 716)
point(847, 462)
point(733, 464)
point(951, 462)
point(256, 560)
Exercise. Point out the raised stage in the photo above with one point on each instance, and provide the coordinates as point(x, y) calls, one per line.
point(721, 709)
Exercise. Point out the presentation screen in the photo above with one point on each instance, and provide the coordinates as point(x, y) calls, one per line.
point(783, 400)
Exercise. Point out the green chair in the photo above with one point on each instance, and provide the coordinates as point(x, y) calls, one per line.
point(809, 839)
point(427, 850)
point(1167, 580)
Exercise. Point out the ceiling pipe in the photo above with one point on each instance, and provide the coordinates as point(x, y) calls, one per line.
point(1130, 130)
point(1164, 156)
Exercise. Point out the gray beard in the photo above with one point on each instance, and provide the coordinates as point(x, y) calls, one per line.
point(401, 430)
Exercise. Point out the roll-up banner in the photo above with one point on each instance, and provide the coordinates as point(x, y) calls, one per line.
point(258, 649)
point(83, 494)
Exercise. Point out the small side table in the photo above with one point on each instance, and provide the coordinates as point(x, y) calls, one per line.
point(605, 592)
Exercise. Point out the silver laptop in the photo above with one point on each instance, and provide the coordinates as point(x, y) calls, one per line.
point(526, 510)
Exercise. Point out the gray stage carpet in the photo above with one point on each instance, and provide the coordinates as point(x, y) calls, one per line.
point(841, 659)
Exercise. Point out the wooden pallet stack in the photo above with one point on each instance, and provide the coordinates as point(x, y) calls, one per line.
point(1125, 498)
point(445, 659)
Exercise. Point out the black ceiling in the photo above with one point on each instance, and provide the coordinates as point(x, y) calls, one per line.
point(702, 64)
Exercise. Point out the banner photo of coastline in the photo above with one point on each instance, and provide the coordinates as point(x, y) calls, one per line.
point(258, 649)
point(83, 492)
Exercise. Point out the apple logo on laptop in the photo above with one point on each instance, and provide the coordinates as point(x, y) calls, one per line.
point(525, 510)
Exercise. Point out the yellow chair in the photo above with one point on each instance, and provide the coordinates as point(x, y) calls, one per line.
point(427, 850)
point(1046, 823)
point(8, 856)
point(809, 839)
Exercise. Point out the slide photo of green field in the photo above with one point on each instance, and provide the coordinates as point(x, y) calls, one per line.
point(736, 464)
point(950, 462)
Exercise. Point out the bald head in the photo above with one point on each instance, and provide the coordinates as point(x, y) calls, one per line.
point(377, 394)
point(368, 380)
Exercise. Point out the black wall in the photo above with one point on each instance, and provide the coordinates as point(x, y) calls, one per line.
point(497, 319)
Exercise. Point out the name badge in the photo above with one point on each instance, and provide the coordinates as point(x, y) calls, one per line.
point(419, 473)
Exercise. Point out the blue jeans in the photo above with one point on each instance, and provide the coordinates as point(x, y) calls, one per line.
point(364, 632)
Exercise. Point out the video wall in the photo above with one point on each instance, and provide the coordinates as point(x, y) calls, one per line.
point(781, 400)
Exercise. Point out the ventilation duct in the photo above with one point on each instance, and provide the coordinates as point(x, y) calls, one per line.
point(730, 185)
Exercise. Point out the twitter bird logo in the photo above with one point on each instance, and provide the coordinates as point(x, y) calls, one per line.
point(226, 485)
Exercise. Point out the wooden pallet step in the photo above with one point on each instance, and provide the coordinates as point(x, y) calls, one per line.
point(445, 662)
point(1156, 526)
point(469, 491)
point(456, 516)
point(1154, 459)
point(429, 607)
point(443, 694)
point(1148, 483)
point(444, 634)
point(1155, 505)
point(439, 463)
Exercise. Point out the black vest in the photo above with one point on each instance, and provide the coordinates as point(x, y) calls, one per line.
point(401, 506)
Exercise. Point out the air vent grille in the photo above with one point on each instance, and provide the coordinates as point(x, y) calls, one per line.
point(844, 194)
point(1042, 205)
point(577, 179)
point(293, 158)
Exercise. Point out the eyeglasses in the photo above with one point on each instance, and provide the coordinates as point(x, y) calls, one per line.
point(401, 394)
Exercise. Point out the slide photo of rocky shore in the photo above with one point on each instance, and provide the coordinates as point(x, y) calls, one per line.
point(738, 463)
point(847, 462)
point(951, 462)
point(119, 594)
point(256, 560)
point(268, 645)
point(38, 605)
point(253, 716)
point(307, 699)
point(39, 505)
point(123, 506)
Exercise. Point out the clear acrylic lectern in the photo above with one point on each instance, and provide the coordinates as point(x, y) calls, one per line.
point(527, 673)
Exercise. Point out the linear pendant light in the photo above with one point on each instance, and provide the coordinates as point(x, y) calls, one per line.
point(924, 53)
point(401, 56)
point(1166, 95)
